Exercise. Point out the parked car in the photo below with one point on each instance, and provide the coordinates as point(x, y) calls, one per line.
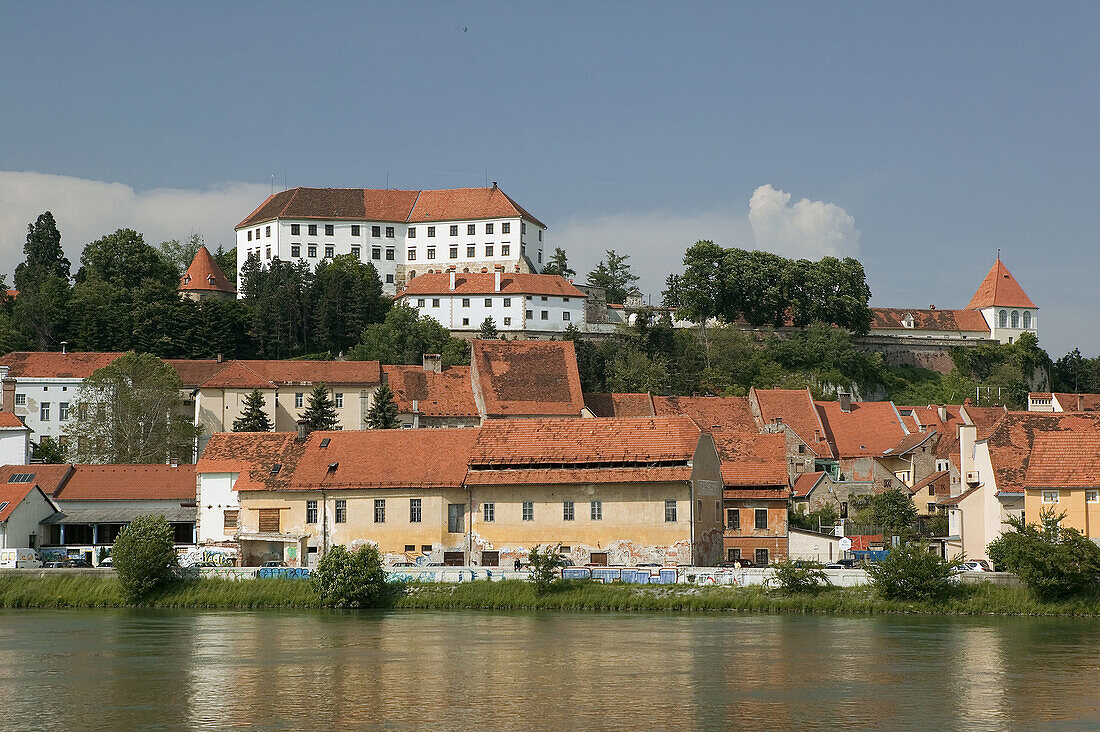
point(108, 562)
point(77, 564)
point(972, 565)
point(55, 565)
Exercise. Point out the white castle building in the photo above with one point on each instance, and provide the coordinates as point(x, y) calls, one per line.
point(402, 233)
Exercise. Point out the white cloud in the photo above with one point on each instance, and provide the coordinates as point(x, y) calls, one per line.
point(87, 209)
point(656, 241)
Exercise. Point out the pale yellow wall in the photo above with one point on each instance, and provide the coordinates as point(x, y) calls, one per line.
point(218, 408)
point(1085, 517)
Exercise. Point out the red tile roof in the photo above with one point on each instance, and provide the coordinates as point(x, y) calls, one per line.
point(1064, 460)
point(449, 393)
point(194, 371)
point(385, 459)
point(9, 421)
point(367, 204)
point(47, 364)
point(709, 413)
point(11, 495)
point(484, 283)
point(806, 482)
point(1012, 442)
point(252, 455)
point(940, 480)
point(268, 374)
point(579, 476)
point(870, 428)
point(526, 378)
point(985, 419)
point(580, 443)
point(795, 408)
point(1078, 402)
point(620, 405)
point(949, 321)
point(752, 459)
point(49, 478)
point(911, 442)
point(1000, 289)
point(205, 274)
point(129, 483)
point(929, 417)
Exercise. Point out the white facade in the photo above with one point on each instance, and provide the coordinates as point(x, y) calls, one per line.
point(21, 529)
point(1007, 324)
point(215, 497)
point(15, 446)
point(511, 313)
point(44, 404)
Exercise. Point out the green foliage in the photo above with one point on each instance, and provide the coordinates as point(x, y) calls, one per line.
point(144, 556)
point(800, 576)
point(351, 579)
point(382, 414)
point(614, 274)
point(49, 451)
point(936, 525)
point(405, 336)
point(488, 330)
point(131, 411)
point(226, 259)
point(179, 254)
point(543, 563)
point(1053, 561)
point(558, 264)
point(893, 509)
point(123, 259)
point(671, 296)
point(254, 415)
point(346, 297)
point(1006, 372)
point(320, 413)
point(798, 517)
point(43, 251)
point(911, 572)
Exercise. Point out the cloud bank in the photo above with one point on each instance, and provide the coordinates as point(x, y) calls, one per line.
point(87, 209)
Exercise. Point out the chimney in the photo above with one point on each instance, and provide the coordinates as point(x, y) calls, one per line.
point(433, 362)
point(494, 185)
point(845, 400)
point(496, 277)
point(64, 346)
point(942, 411)
point(1080, 405)
point(175, 462)
point(303, 429)
point(968, 434)
point(415, 406)
point(221, 358)
point(817, 435)
point(452, 273)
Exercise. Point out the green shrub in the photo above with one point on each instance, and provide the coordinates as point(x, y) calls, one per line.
point(911, 572)
point(1054, 562)
point(543, 563)
point(800, 576)
point(144, 556)
point(351, 579)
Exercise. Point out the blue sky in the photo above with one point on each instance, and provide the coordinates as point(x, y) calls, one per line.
point(922, 137)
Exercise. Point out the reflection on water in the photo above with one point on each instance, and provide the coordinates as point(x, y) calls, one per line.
point(292, 670)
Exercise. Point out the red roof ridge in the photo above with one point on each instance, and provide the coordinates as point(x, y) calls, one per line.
point(1000, 289)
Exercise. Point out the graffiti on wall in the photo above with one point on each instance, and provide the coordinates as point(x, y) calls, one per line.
point(209, 558)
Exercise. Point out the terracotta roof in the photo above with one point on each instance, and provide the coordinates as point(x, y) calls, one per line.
point(484, 283)
point(129, 483)
point(11, 495)
point(941, 480)
point(45, 364)
point(985, 419)
point(9, 421)
point(580, 443)
point(752, 459)
point(194, 371)
point(49, 478)
point(385, 459)
point(795, 408)
point(369, 204)
point(1000, 289)
point(11, 294)
point(954, 500)
point(449, 393)
point(929, 418)
point(253, 455)
point(1064, 460)
point(1012, 442)
point(579, 476)
point(620, 405)
point(951, 321)
point(869, 428)
point(526, 378)
point(268, 374)
point(806, 482)
point(910, 442)
point(709, 413)
point(1078, 402)
point(783, 493)
point(205, 274)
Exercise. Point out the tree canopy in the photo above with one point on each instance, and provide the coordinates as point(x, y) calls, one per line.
point(614, 275)
point(382, 414)
point(404, 336)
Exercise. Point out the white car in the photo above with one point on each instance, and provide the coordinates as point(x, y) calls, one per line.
point(972, 566)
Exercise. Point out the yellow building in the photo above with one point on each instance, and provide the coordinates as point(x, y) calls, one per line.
point(1063, 476)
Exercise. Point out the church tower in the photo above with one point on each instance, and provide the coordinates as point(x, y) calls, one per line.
point(1005, 306)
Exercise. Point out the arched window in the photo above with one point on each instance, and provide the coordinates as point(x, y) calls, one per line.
point(1004, 318)
point(412, 274)
point(1015, 319)
point(1027, 320)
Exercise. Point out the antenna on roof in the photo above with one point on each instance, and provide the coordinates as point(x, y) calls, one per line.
point(998, 254)
point(273, 183)
point(284, 180)
point(387, 179)
point(486, 177)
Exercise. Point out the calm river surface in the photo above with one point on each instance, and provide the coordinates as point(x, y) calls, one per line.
point(319, 670)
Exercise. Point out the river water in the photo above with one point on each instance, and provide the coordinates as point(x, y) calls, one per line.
point(144, 669)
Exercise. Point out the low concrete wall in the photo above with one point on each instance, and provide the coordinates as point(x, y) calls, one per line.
point(998, 578)
point(105, 572)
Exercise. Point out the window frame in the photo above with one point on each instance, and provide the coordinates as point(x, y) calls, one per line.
point(416, 510)
point(568, 511)
point(527, 511)
point(340, 511)
point(757, 515)
point(1050, 496)
point(670, 510)
point(489, 512)
point(379, 510)
point(311, 512)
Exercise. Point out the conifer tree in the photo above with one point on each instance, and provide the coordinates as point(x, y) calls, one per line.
point(383, 411)
point(488, 329)
point(320, 413)
point(254, 416)
point(558, 264)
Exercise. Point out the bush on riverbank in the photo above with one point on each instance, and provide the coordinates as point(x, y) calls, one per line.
point(912, 573)
point(1054, 562)
point(144, 556)
point(800, 576)
point(352, 579)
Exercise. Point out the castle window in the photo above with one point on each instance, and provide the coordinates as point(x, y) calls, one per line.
point(1027, 320)
point(1004, 319)
point(1015, 319)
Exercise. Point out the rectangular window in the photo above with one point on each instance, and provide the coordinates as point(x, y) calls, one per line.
point(488, 229)
point(507, 302)
point(455, 513)
point(411, 255)
point(488, 250)
point(488, 302)
point(567, 513)
point(506, 228)
point(410, 232)
point(44, 412)
point(330, 251)
point(268, 251)
point(377, 231)
point(311, 512)
point(733, 519)
point(540, 239)
point(63, 411)
point(379, 510)
point(389, 254)
point(410, 548)
point(312, 229)
point(733, 555)
point(471, 251)
point(267, 231)
point(257, 233)
point(355, 252)
point(420, 302)
point(565, 315)
point(376, 252)
point(431, 252)
point(431, 231)
point(229, 520)
point(670, 509)
point(1092, 496)
point(540, 256)
point(295, 250)
point(528, 511)
point(311, 251)
point(465, 321)
point(454, 253)
point(546, 315)
point(505, 250)
point(762, 557)
point(298, 397)
point(295, 229)
point(249, 235)
point(931, 507)
point(761, 518)
point(414, 511)
point(596, 513)
point(488, 512)
point(340, 400)
point(931, 490)
point(887, 483)
point(435, 302)
point(389, 279)
point(454, 230)
point(355, 229)
point(268, 520)
point(426, 548)
point(465, 302)
point(471, 229)
point(20, 400)
point(341, 511)
point(330, 230)
point(530, 314)
point(389, 232)
point(523, 228)
point(1050, 496)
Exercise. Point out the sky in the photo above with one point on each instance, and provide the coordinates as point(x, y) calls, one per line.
point(918, 137)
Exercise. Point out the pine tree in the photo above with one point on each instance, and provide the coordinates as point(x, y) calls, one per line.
point(558, 264)
point(320, 413)
point(614, 275)
point(383, 411)
point(254, 416)
point(488, 329)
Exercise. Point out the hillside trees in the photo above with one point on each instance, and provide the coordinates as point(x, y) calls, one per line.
point(558, 264)
point(41, 309)
point(404, 336)
point(614, 274)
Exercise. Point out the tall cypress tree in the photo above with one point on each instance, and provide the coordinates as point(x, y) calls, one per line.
point(43, 283)
point(382, 414)
point(320, 412)
point(254, 417)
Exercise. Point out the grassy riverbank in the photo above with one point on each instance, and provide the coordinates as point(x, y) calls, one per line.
point(65, 591)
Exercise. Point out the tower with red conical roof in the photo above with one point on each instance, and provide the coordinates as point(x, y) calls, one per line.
point(204, 279)
point(1007, 309)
